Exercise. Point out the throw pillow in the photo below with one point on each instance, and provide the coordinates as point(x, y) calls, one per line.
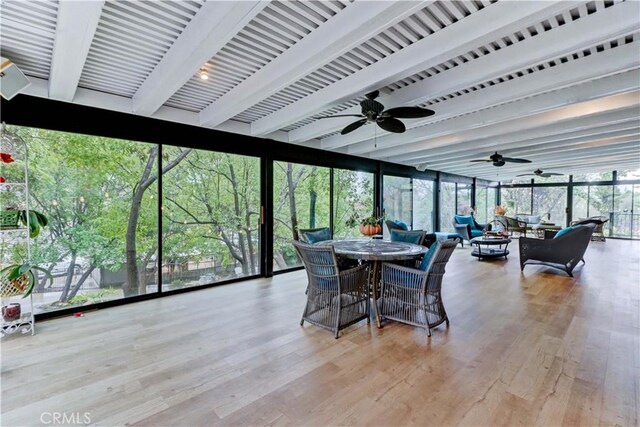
point(466, 219)
point(401, 224)
point(318, 236)
point(565, 231)
point(427, 257)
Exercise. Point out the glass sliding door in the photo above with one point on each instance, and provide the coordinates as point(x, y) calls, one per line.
point(423, 212)
point(601, 204)
point(550, 203)
point(352, 198)
point(301, 199)
point(101, 199)
point(397, 200)
point(211, 217)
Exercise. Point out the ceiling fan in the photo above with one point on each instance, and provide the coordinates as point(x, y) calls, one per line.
point(539, 172)
point(499, 160)
point(373, 111)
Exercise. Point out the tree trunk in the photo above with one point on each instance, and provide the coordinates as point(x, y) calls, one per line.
point(312, 208)
point(64, 296)
point(44, 279)
point(131, 286)
point(78, 285)
point(292, 201)
point(238, 214)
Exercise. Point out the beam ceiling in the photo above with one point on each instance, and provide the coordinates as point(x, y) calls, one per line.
point(554, 81)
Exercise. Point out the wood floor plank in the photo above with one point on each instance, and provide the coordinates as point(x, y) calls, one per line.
point(530, 348)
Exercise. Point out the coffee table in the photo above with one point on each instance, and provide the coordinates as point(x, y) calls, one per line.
point(485, 247)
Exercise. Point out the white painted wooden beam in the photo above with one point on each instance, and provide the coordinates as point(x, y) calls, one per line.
point(97, 99)
point(352, 26)
point(509, 117)
point(584, 33)
point(212, 27)
point(484, 26)
point(560, 133)
point(75, 28)
point(560, 76)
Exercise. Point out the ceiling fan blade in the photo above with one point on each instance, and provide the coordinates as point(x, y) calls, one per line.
point(391, 125)
point(512, 160)
point(527, 174)
point(353, 126)
point(545, 175)
point(408, 112)
point(553, 173)
point(340, 115)
point(480, 160)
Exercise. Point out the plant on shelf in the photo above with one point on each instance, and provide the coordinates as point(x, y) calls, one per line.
point(369, 225)
point(20, 279)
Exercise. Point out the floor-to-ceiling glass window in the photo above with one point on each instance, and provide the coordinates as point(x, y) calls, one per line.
point(101, 201)
point(550, 203)
point(580, 202)
point(485, 204)
point(601, 204)
point(301, 199)
point(623, 218)
point(517, 200)
point(397, 199)
point(447, 205)
point(352, 201)
point(211, 217)
point(423, 212)
point(463, 198)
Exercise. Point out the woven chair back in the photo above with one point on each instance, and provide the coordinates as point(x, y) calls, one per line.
point(437, 268)
point(320, 263)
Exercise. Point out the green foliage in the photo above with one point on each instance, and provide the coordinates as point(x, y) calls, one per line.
point(93, 297)
point(30, 271)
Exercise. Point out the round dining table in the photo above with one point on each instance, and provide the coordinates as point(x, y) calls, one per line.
point(375, 252)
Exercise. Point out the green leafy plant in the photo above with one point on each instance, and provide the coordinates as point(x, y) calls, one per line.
point(22, 272)
point(36, 222)
point(369, 220)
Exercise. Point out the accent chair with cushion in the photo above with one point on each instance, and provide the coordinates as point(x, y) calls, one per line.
point(314, 235)
point(467, 227)
point(563, 252)
point(335, 299)
point(413, 296)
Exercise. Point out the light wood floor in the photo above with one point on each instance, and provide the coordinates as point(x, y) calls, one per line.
point(534, 349)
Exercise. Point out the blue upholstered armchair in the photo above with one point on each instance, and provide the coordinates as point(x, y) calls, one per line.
point(467, 227)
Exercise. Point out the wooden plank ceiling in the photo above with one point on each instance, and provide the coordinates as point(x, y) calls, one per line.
point(556, 82)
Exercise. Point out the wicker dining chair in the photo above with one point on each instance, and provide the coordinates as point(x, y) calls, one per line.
point(335, 299)
point(413, 296)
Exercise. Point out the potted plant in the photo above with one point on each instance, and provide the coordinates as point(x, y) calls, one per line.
point(369, 226)
point(20, 279)
point(11, 217)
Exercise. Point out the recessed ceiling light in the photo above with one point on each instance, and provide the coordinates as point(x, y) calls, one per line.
point(203, 73)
